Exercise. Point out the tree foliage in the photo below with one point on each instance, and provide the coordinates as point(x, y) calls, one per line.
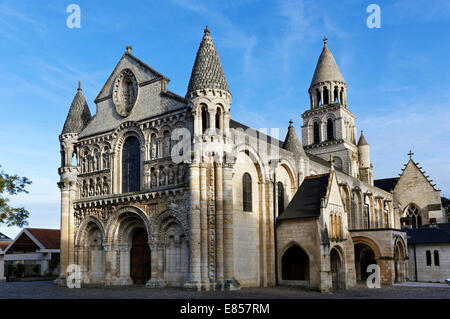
point(12, 185)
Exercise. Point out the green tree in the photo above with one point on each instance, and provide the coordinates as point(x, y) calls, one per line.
point(12, 185)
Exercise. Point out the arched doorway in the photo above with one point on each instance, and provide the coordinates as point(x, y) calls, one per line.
point(140, 258)
point(337, 270)
point(399, 262)
point(295, 264)
point(364, 256)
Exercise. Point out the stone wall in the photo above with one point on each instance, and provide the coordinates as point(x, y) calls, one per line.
point(433, 272)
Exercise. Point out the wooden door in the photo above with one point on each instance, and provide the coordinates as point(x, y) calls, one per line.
point(140, 258)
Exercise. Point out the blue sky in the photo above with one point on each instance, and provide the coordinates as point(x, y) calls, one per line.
point(398, 76)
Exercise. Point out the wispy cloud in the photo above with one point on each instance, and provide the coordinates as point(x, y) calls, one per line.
point(233, 34)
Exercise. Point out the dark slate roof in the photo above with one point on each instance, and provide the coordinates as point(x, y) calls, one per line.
point(207, 72)
point(291, 142)
point(387, 184)
point(326, 69)
point(235, 124)
point(445, 201)
point(426, 234)
point(362, 140)
point(3, 237)
point(306, 201)
point(79, 114)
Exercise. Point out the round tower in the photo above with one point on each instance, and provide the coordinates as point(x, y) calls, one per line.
point(365, 167)
point(209, 99)
point(363, 152)
point(77, 119)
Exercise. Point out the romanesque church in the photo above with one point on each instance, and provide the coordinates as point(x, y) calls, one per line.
point(167, 190)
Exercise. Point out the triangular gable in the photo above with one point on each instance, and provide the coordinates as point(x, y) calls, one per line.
point(24, 240)
point(141, 70)
point(411, 165)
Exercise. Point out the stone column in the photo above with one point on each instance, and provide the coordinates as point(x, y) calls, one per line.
point(152, 283)
point(204, 226)
point(124, 265)
point(219, 224)
point(212, 118)
point(194, 229)
point(230, 281)
point(321, 95)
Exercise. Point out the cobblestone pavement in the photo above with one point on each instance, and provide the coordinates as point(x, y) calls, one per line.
point(47, 290)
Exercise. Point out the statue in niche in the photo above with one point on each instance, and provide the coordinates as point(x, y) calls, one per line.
point(171, 176)
point(154, 149)
point(91, 187)
point(106, 159)
point(105, 185)
point(98, 187)
point(162, 177)
point(154, 179)
point(166, 144)
point(181, 173)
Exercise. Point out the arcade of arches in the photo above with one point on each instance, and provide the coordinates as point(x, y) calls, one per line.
point(131, 248)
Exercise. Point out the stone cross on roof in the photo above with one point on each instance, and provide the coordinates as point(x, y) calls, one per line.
point(410, 154)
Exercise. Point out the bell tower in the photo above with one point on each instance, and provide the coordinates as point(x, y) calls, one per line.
point(77, 118)
point(210, 174)
point(328, 126)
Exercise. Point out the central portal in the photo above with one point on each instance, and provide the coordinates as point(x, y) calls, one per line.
point(140, 258)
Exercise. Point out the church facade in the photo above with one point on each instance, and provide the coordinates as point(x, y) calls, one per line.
point(165, 190)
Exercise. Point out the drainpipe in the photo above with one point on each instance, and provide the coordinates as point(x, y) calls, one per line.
point(275, 228)
point(415, 262)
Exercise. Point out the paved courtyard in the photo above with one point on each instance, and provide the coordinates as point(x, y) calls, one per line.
point(47, 290)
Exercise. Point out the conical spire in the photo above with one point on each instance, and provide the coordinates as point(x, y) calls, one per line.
point(79, 114)
point(326, 69)
point(291, 142)
point(362, 140)
point(207, 72)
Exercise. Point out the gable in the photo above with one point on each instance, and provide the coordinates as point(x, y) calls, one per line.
point(23, 244)
point(413, 186)
point(151, 97)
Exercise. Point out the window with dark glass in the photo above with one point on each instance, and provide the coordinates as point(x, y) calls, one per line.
point(316, 133)
point(428, 255)
point(131, 165)
point(204, 119)
point(436, 258)
point(416, 218)
point(247, 192)
point(280, 197)
point(330, 130)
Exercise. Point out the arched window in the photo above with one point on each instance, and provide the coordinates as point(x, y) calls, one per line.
point(436, 258)
point(316, 133)
point(428, 254)
point(247, 192)
point(131, 165)
point(280, 198)
point(330, 130)
point(218, 119)
point(166, 144)
point(413, 212)
point(204, 119)
point(326, 99)
point(336, 95)
point(318, 97)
